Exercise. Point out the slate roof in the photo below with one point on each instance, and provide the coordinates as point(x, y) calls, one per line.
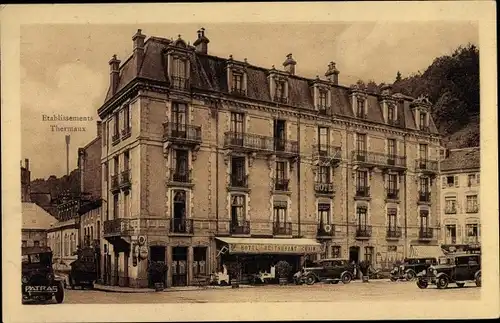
point(209, 73)
point(36, 218)
point(466, 158)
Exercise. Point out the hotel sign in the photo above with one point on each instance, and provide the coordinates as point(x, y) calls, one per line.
point(274, 248)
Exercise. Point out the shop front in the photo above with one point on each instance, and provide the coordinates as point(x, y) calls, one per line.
point(257, 257)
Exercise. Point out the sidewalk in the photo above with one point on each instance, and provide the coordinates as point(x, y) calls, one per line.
point(118, 289)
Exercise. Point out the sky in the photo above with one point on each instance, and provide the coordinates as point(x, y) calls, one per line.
point(64, 68)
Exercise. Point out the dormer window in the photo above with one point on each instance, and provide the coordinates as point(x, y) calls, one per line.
point(361, 108)
point(237, 84)
point(391, 117)
point(278, 86)
point(279, 94)
point(236, 77)
point(178, 65)
point(423, 122)
point(323, 100)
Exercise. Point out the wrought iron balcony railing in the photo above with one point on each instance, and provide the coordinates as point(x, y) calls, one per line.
point(181, 177)
point(323, 188)
point(286, 146)
point(393, 194)
point(239, 181)
point(473, 209)
point(426, 165)
point(327, 151)
point(125, 179)
point(281, 184)
point(363, 231)
point(326, 230)
point(373, 158)
point(363, 191)
point(115, 183)
point(282, 228)
point(181, 225)
point(242, 227)
point(180, 83)
point(394, 232)
point(181, 132)
point(116, 227)
point(424, 196)
point(241, 140)
point(425, 233)
point(450, 210)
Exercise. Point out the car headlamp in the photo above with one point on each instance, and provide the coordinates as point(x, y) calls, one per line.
point(434, 271)
point(24, 279)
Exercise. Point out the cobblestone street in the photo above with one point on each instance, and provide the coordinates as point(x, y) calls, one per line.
point(372, 291)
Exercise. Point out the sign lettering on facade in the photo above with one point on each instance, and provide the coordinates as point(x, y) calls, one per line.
point(262, 248)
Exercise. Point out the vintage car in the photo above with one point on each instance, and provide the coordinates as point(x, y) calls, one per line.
point(410, 267)
point(83, 271)
point(37, 280)
point(455, 268)
point(326, 270)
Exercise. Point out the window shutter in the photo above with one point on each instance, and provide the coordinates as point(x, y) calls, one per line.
point(456, 181)
point(444, 182)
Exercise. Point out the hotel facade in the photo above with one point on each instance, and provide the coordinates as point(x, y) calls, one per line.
point(207, 160)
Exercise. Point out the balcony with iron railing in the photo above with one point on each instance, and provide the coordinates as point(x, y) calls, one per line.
point(125, 179)
point(247, 142)
point(180, 83)
point(115, 183)
point(180, 177)
point(392, 194)
point(281, 184)
point(386, 161)
point(393, 233)
point(427, 166)
point(116, 228)
point(425, 233)
point(472, 209)
point(181, 133)
point(239, 181)
point(323, 188)
point(327, 153)
point(450, 210)
point(181, 226)
point(242, 227)
point(282, 228)
point(286, 147)
point(363, 231)
point(424, 197)
point(362, 192)
point(325, 230)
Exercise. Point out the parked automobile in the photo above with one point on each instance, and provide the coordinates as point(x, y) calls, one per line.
point(410, 267)
point(38, 281)
point(454, 268)
point(326, 270)
point(83, 271)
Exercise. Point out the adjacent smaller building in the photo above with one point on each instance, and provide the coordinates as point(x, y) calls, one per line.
point(460, 186)
point(36, 222)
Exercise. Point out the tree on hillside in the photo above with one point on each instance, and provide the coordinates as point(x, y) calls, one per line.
point(398, 77)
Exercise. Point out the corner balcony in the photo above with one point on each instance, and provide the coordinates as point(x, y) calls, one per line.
point(327, 154)
point(117, 231)
point(181, 134)
point(247, 142)
point(379, 160)
point(125, 180)
point(282, 228)
point(394, 233)
point(115, 183)
point(426, 166)
point(181, 226)
point(324, 188)
point(325, 231)
point(285, 147)
point(425, 234)
point(180, 83)
point(363, 232)
point(424, 197)
point(240, 228)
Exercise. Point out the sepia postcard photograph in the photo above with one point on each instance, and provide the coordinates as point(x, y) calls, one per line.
point(249, 161)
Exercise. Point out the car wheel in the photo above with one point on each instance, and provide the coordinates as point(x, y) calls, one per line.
point(422, 284)
point(460, 285)
point(60, 294)
point(346, 278)
point(442, 282)
point(310, 280)
point(410, 275)
point(478, 280)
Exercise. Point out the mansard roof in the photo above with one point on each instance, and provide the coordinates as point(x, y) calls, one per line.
point(209, 73)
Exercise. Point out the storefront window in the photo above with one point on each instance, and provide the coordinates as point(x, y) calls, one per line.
point(369, 255)
point(199, 261)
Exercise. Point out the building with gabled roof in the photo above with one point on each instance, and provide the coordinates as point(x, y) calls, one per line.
point(198, 149)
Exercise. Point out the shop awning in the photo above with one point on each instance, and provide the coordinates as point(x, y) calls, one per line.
point(271, 246)
point(426, 251)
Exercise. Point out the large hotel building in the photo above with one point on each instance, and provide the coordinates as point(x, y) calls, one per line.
point(208, 160)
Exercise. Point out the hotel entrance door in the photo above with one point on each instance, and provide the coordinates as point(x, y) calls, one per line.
point(179, 266)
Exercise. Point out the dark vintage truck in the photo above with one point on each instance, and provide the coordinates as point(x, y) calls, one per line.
point(83, 271)
point(37, 278)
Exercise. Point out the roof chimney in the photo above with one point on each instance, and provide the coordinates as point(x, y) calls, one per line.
point(138, 40)
point(332, 74)
point(114, 70)
point(201, 43)
point(99, 128)
point(289, 64)
point(27, 164)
